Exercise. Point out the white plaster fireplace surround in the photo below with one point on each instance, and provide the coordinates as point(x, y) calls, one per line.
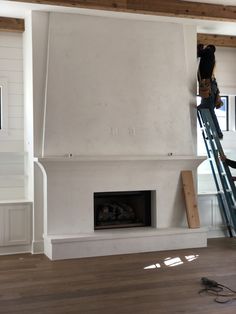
point(118, 116)
point(70, 216)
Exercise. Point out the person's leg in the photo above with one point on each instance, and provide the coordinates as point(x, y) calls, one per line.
point(214, 90)
point(216, 123)
point(204, 103)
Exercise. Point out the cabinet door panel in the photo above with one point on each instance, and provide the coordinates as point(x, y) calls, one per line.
point(17, 225)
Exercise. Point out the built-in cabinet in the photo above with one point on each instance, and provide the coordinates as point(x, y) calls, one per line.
point(15, 225)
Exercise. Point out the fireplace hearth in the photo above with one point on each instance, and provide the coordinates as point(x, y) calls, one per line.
point(122, 209)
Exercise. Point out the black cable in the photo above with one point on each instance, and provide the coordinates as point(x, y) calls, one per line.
point(220, 285)
point(216, 289)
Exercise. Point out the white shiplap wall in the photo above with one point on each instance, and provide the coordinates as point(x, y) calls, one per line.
point(12, 141)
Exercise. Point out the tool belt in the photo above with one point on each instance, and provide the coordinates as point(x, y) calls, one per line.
point(205, 88)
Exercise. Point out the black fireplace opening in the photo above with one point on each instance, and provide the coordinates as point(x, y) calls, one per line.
point(122, 209)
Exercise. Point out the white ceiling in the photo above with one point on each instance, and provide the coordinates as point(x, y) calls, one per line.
point(20, 10)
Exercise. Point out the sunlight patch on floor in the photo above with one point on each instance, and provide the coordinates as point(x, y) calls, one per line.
point(173, 261)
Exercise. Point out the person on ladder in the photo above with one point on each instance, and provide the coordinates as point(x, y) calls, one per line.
point(208, 88)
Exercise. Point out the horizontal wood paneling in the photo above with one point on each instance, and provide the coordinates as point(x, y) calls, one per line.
point(16, 100)
point(15, 111)
point(16, 123)
point(15, 88)
point(13, 135)
point(12, 193)
point(217, 40)
point(11, 24)
point(7, 64)
point(16, 157)
point(13, 40)
point(12, 179)
point(12, 145)
point(11, 168)
point(12, 76)
point(11, 53)
point(157, 7)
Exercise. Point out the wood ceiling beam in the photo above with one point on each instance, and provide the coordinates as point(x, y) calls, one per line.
point(11, 24)
point(217, 40)
point(155, 7)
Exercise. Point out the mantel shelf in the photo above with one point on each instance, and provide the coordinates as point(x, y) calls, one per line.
point(77, 158)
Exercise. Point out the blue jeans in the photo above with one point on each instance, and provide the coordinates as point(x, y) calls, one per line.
point(209, 103)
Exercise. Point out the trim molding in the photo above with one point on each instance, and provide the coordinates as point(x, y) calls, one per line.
point(37, 247)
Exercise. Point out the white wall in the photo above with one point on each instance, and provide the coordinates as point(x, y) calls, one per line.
point(40, 22)
point(226, 69)
point(116, 86)
point(11, 69)
point(12, 140)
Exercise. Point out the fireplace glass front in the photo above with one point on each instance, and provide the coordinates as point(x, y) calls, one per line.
point(122, 209)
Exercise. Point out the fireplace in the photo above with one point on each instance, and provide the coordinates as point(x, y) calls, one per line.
point(122, 209)
point(72, 204)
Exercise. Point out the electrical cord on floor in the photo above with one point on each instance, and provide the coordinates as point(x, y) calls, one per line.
point(222, 293)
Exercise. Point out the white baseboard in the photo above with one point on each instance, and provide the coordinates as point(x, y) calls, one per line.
point(37, 247)
point(219, 232)
point(15, 249)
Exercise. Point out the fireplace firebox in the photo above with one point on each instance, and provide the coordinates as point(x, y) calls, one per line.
point(122, 209)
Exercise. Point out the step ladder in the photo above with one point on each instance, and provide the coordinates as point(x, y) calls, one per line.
point(225, 186)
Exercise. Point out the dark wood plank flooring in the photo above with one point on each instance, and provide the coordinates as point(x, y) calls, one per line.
point(33, 284)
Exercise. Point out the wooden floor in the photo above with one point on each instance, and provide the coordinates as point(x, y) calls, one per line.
point(134, 283)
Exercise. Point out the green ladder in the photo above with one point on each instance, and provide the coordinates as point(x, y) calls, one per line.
point(226, 190)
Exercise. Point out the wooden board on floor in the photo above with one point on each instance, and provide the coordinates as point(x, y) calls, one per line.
point(190, 199)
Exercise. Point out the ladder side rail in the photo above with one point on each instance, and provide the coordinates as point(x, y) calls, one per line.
point(208, 152)
point(220, 199)
point(224, 184)
point(210, 129)
point(213, 150)
point(227, 192)
point(211, 134)
point(230, 179)
point(221, 152)
point(225, 214)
